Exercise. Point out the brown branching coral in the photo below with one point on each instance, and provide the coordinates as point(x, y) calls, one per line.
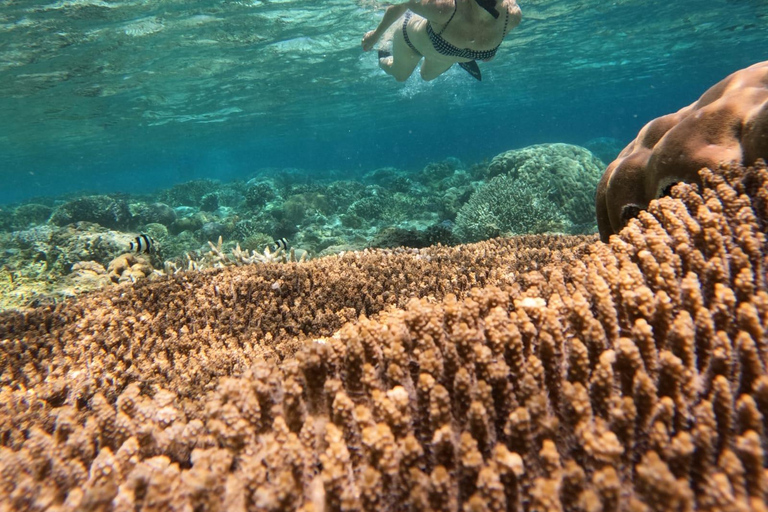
point(534, 374)
point(184, 330)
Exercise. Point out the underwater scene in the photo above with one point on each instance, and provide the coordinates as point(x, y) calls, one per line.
point(264, 120)
point(325, 255)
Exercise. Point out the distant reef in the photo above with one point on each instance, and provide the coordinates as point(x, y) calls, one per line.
point(57, 248)
point(548, 188)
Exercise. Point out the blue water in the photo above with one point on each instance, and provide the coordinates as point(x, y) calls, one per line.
point(133, 98)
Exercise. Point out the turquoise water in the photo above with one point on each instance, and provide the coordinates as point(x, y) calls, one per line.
point(133, 96)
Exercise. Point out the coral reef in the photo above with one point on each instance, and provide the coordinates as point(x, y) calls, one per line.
point(152, 213)
point(260, 193)
point(30, 214)
point(504, 206)
point(441, 233)
point(217, 258)
point(547, 187)
point(537, 373)
point(188, 194)
point(320, 214)
point(728, 124)
point(41, 263)
point(128, 268)
point(106, 211)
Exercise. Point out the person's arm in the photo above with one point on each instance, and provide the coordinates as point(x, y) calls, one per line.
point(390, 16)
point(433, 10)
point(436, 11)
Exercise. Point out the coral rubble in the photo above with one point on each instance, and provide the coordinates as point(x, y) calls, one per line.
point(538, 373)
point(728, 124)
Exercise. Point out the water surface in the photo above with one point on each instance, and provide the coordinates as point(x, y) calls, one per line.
point(130, 96)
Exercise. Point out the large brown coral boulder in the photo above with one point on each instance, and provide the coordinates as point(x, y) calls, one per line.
point(728, 124)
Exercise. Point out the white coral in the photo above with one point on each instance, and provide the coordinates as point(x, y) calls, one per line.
point(217, 258)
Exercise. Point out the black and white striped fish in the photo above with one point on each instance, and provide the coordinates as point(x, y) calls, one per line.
point(281, 243)
point(143, 244)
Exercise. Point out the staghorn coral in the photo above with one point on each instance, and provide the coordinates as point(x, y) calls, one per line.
point(528, 374)
point(537, 189)
point(505, 207)
point(728, 124)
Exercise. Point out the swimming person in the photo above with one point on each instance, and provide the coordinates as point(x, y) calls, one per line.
point(444, 33)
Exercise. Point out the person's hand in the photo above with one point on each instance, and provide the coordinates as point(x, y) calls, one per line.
point(370, 39)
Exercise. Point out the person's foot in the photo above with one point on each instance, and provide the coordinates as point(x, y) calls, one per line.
point(385, 62)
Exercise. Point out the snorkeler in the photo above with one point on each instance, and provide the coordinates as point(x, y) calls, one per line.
point(444, 33)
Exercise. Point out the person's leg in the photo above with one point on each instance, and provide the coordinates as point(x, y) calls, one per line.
point(431, 69)
point(403, 60)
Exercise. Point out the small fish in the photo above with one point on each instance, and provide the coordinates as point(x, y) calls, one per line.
point(281, 243)
point(143, 243)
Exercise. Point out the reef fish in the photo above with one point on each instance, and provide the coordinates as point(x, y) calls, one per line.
point(143, 244)
point(281, 243)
